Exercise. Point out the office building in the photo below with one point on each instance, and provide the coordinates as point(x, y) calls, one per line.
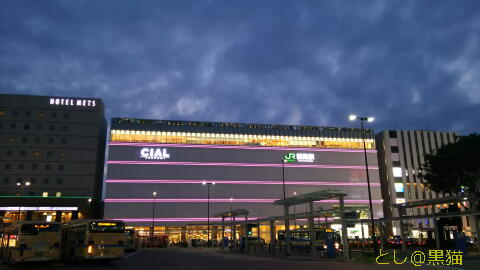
point(401, 154)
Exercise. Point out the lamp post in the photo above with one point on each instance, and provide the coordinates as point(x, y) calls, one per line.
point(153, 214)
point(294, 213)
point(283, 177)
point(21, 185)
point(208, 184)
point(90, 207)
point(362, 120)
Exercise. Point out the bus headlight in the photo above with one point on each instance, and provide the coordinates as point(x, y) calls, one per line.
point(337, 245)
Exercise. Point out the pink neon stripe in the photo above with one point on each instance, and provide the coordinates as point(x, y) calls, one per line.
point(230, 164)
point(240, 182)
point(241, 147)
point(185, 200)
point(177, 219)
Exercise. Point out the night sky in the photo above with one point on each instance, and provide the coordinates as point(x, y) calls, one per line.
point(411, 64)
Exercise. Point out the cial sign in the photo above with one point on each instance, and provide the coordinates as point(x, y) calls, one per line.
point(154, 153)
point(76, 102)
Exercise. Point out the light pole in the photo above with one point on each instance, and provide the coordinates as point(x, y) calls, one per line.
point(21, 185)
point(208, 184)
point(283, 177)
point(362, 120)
point(231, 217)
point(153, 214)
point(294, 213)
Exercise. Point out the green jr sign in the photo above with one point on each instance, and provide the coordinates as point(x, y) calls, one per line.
point(290, 157)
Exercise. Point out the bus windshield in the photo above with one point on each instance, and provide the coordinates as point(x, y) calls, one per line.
point(107, 227)
point(37, 228)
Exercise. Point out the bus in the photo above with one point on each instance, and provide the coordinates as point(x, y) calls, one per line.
point(93, 239)
point(31, 241)
point(300, 239)
point(131, 239)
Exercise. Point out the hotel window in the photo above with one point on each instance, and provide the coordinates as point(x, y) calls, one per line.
point(11, 139)
point(37, 140)
point(46, 180)
point(23, 153)
point(58, 194)
point(26, 126)
point(394, 149)
point(7, 166)
point(54, 115)
point(61, 167)
point(41, 114)
point(51, 140)
point(49, 154)
point(15, 113)
point(45, 194)
point(59, 181)
point(39, 127)
point(64, 127)
point(63, 141)
point(9, 153)
point(13, 126)
point(28, 113)
point(33, 180)
point(21, 166)
point(34, 167)
point(36, 153)
point(5, 180)
point(2, 113)
point(66, 115)
point(24, 140)
point(47, 167)
point(52, 127)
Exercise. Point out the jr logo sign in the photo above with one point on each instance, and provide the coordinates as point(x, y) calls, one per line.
point(154, 153)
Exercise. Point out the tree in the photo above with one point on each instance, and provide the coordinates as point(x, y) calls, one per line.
point(455, 167)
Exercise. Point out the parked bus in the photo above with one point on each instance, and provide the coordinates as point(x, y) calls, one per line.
point(31, 241)
point(131, 239)
point(92, 239)
point(300, 239)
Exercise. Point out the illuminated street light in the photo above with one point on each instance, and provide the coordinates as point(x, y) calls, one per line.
point(153, 214)
point(362, 120)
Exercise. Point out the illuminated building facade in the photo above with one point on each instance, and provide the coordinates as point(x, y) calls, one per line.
point(401, 154)
point(52, 153)
point(174, 158)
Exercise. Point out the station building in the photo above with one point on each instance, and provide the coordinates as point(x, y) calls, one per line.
point(242, 164)
point(51, 157)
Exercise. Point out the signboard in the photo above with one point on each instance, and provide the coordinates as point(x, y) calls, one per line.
point(299, 157)
point(154, 153)
point(74, 102)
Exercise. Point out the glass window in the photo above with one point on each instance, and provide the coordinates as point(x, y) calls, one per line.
point(61, 167)
point(36, 153)
point(51, 140)
point(58, 194)
point(21, 166)
point(63, 141)
point(28, 113)
point(54, 114)
point(47, 167)
point(23, 153)
point(66, 115)
point(64, 127)
point(26, 126)
point(39, 127)
point(59, 180)
point(15, 113)
point(397, 171)
point(392, 134)
point(107, 227)
point(37, 140)
point(7, 166)
point(38, 228)
point(394, 149)
point(13, 125)
point(45, 194)
point(49, 153)
point(399, 187)
point(6, 180)
point(9, 152)
point(52, 127)
point(34, 167)
point(24, 140)
point(46, 180)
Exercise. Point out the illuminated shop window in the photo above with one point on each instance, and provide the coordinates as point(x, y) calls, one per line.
point(399, 187)
point(397, 171)
point(45, 194)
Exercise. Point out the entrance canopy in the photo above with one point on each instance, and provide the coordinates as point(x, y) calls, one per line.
point(233, 213)
point(311, 197)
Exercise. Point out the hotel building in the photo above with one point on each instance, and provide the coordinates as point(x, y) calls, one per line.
point(51, 157)
point(400, 156)
point(245, 161)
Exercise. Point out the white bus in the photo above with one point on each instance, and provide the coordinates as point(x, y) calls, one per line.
point(31, 241)
point(93, 239)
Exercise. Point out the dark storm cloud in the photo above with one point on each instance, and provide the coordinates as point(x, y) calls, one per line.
point(412, 64)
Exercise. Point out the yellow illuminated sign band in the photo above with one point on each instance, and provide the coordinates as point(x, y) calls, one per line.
point(106, 224)
point(42, 226)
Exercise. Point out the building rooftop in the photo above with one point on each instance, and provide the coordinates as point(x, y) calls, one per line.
point(237, 128)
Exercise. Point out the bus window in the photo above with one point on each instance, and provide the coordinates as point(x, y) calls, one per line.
point(107, 227)
point(32, 229)
point(12, 239)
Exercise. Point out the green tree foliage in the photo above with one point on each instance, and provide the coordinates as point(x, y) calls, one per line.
point(454, 167)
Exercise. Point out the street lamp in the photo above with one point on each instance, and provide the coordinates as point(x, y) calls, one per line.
point(208, 184)
point(294, 213)
point(283, 177)
point(362, 120)
point(153, 214)
point(21, 184)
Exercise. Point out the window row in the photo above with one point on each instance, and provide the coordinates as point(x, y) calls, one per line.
point(34, 153)
point(51, 127)
point(41, 115)
point(34, 167)
point(39, 140)
point(31, 181)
